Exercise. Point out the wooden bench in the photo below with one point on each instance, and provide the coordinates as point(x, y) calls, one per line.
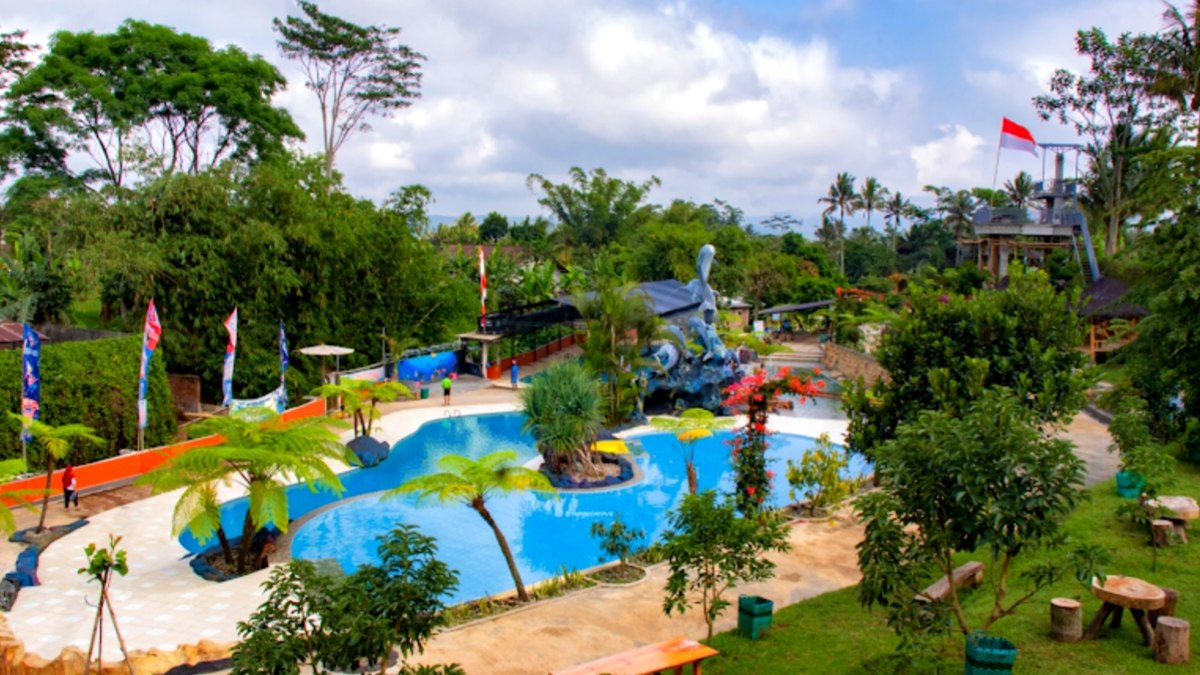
point(671, 655)
point(968, 575)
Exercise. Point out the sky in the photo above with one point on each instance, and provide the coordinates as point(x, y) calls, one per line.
point(759, 103)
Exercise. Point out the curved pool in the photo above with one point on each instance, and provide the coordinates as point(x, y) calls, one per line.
point(546, 534)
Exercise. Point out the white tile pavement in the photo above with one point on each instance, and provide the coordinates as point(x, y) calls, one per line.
point(161, 603)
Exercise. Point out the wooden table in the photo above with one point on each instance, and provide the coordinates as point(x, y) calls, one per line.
point(1178, 510)
point(1120, 593)
point(673, 654)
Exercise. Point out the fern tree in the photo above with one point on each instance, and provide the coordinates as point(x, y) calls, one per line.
point(56, 445)
point(691, 425)
point(260, 452)
point(361, 399)
point(471, 482)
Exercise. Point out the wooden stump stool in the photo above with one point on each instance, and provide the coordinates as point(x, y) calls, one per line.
point(1161, 531)
point(1171, 640)
point(1066, 620)
point(1168, 608)
point(1178, 510)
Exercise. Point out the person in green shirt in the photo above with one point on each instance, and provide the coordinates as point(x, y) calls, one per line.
point(446, 382)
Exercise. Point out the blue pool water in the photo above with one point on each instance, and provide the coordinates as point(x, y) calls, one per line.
point(546, 534)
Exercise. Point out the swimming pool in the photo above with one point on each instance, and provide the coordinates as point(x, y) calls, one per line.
point(545, 534)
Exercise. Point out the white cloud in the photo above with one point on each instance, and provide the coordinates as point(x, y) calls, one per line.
point(949, 160)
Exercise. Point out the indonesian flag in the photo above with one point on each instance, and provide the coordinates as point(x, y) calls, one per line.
point(1016, 137)
point(482, 287)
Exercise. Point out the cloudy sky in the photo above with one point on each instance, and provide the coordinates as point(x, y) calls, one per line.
point(759, 103)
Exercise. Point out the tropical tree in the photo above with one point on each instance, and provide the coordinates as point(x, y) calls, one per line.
point(56, 445)
point(872, 197)
point(355, 71)
point(493, 228)
point(895, 209)
point(361, 399)
point(260, 452)
point(691, 425)
point(593, 209)
point(1020, 190)
point(144, 96)
point(957, 210)
point(843, 199)
point(1175, 63)
point(621, 324)
point(564, 412)
point(471, 482)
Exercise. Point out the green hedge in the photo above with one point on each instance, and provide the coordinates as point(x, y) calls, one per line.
point(92, 383)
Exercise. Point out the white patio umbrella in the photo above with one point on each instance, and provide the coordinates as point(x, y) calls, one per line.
point(324, 350)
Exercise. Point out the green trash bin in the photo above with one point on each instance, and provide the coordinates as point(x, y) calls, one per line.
point(988, 655)
point(754, 615)
point(424, 392)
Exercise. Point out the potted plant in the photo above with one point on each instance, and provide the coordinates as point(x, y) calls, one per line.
point(1142, 459)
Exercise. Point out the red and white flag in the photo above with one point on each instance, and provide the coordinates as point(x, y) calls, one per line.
point(482, 288)
point(1016, 137)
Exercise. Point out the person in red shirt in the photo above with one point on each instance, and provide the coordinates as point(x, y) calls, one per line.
point(70, 488)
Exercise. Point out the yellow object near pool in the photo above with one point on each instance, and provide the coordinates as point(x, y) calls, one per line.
point(614, 447)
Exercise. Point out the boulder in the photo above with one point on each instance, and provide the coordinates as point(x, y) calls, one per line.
point(370, 451)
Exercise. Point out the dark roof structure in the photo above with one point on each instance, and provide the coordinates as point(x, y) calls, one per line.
point(12, 335)
point(1105, 300)
point(802, 307)
point(667, 297)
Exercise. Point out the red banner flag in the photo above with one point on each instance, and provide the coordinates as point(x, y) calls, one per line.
point(1016, 137)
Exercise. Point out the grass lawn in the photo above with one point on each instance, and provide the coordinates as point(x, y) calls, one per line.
point(833, 634)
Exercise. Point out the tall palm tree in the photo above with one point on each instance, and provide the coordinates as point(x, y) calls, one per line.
point(843, 199)
point(56, 444)
point(1020, 190)
point(620, 324)
point(262, 453)
point(691, 425)
point(471, 482)
point(1175, 69)
point(872, 197)
point(895, 209)
point(957, 209)
point(831, 233)
point(564, 411)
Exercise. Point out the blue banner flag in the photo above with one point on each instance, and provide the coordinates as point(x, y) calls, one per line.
point(31, 368)
point(283, 360)
point(230, 354)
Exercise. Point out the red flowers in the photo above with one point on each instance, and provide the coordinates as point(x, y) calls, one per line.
point(750, 490)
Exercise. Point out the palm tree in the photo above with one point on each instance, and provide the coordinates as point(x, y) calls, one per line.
point(262, 453)
point(621, 324)
point(1175, 73)
point(564, 412)
point(361, 399)
point(691, 425)
point(470, 482)
point(1020, 190)
point(56, 444)
point(872, 197)
point(843, 199)
point(957, 209)
point(895, 208)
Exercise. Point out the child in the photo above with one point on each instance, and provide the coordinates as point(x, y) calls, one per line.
point(446, 382)
point(70, 489)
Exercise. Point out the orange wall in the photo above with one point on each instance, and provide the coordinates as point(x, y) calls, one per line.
point(124, 467)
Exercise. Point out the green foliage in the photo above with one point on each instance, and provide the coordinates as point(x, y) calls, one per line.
point(361, 399)
point(470, 482)
point(102, 562)
point(1020, 338)
point(493, 228)
point(820, 470)
point(339, 623)
point(355, 71)
point(281, 242)
point(564, 411)
point(262, 454)
point(710, 549)
point(691, 425)
point(592, 209)
point(1140, 454)
point(959, 480)
point(616, 539)
point(93, 383)
point(144, 98)
point(621, 324)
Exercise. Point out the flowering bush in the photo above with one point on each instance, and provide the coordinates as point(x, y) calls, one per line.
point(759, 395)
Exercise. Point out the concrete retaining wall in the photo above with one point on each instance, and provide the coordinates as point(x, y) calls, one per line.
point(851, 364)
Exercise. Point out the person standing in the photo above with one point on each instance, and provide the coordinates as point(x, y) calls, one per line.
point(70, 488)
point(446, 382)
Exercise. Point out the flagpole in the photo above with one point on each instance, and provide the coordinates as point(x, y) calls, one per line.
point(996, 171)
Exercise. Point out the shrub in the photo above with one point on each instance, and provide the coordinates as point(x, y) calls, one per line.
point(821, 470)
point(93, 383)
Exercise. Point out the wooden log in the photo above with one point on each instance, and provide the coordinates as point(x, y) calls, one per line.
point(1171, 640)
point(1066, 620)
point(1168, 608)
point(1161, 532)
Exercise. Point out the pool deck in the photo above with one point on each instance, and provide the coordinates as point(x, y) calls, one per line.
point(161, 603)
